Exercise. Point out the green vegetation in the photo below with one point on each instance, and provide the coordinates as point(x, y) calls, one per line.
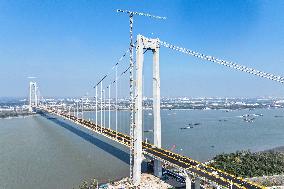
point(247, 164)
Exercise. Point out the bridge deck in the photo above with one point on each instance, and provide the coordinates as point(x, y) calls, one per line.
point(206, 172)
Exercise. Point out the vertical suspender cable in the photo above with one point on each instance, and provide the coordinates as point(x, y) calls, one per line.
point(96, 108)
point(116, 100)
point(101, 107)
point(109, 106)
point(77, 102)
point(104, 108)
point(82, 108)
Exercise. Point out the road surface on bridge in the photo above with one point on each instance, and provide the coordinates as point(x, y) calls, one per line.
point(187, 164)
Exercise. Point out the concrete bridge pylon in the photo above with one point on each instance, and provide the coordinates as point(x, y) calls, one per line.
point(144, 43)
point(33, 97)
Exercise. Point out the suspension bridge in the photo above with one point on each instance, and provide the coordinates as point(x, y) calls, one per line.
point(193, 171)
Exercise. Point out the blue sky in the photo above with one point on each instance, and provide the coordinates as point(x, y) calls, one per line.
point(69, 45)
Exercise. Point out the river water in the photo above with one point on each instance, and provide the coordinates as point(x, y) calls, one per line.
point(43, 152)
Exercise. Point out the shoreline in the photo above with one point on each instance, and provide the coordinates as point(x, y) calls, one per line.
point(17, 116)
point(276, 149)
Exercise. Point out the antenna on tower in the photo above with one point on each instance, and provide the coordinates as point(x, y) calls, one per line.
point(134, 161)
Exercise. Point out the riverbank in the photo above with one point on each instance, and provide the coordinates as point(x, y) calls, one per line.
point(265, 168)
point(275, 181)
point(148, 181)
point(276, 149)
point(15, 114)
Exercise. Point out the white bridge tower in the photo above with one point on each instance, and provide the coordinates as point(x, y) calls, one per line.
point(153, 45)
point(33, 101)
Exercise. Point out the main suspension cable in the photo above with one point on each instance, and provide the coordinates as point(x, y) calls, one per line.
point(224, 62)
point(117, 63)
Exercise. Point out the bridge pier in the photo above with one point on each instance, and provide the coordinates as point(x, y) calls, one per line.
point(216, 186)
point(197, 183)
point(188, 181)
point(157, 168)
